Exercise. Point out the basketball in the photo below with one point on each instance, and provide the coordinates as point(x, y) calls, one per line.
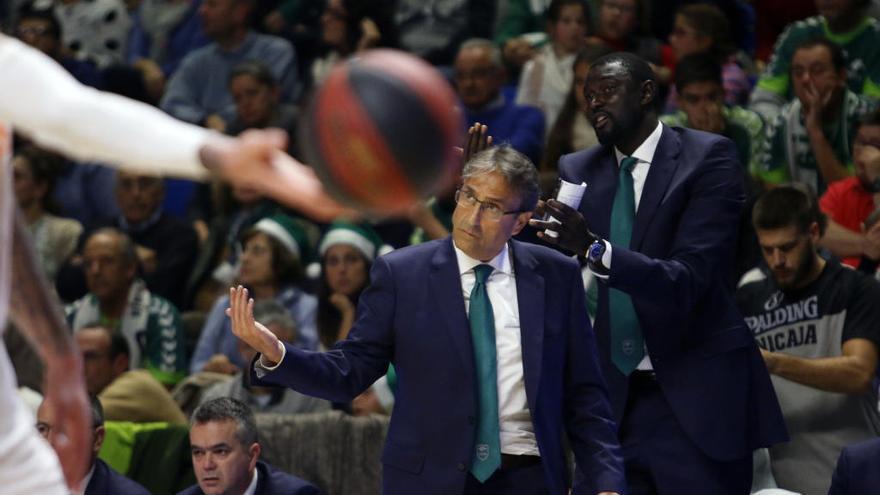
point(380, 131)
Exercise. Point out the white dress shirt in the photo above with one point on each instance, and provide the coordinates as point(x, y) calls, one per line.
point(84, 483)
point(514, 417)
point(517, 434)
point(645, 155)
point(252, 488)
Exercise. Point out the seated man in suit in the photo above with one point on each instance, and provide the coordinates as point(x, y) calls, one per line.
point(100, 479)
point(226, 452)
point(492, 347)
point(858, 469)
point(658, 227)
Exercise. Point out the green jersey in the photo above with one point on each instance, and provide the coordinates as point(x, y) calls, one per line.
point(861, 47)
point(744, 127)
point(789, 156)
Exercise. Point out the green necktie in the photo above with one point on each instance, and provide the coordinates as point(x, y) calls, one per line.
point(487, 444)
point(627, 343)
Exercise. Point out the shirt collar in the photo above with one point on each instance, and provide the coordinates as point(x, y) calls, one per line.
point(645, 151)
point(252, 488)
point(501, 261)
point(85, 481)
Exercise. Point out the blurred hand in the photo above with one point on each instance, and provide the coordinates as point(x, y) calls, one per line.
point(219, 363)
point(370, 36)
point(517, 51)
point(871, 248)
point(478, 139)
point(215, 122)
point(814, 106)
point(241, 314)
point(366, 403)
point(148, 258)
point(254, 159)
point(342, 303)
point(66, 391)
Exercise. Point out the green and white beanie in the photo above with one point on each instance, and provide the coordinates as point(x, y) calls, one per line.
point(360, 236)
point(288, 233)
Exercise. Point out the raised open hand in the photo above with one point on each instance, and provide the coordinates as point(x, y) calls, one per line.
point(241, 313)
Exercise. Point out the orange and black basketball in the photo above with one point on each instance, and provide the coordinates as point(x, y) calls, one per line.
point(381, 131)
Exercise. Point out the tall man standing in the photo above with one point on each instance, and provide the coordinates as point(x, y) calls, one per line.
point(492, 346)
point(658, 227)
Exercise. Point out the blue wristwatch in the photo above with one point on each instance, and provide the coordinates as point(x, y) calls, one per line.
point(596, 251)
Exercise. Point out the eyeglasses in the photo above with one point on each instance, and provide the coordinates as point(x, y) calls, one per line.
point(466, 199)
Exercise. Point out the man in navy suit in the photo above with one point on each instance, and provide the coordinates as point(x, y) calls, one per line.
point(226, 452)
point(858, 469)
point(658, 227)
point(101, 479)
point(492, 347)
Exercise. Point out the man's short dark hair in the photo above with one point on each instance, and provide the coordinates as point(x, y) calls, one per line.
point(838, 59)
point(256, 69)
point(697, 68)
point(786, 206)
point(97, 411)
point(228, 409)
point(636, 67)
point(118, 342)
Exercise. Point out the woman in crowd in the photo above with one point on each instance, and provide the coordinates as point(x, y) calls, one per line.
point(701, 28)
point(270, 266)
point(546, 79)
point(572, 131)
point(351, 26)
point(55, 238)
point(347, 251)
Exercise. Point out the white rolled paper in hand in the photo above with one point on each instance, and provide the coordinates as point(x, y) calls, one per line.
point(569, 194)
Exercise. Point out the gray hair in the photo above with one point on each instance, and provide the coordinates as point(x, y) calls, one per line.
point(271, 312)
point(517, 169)
point(483, 43)
point(228, 409)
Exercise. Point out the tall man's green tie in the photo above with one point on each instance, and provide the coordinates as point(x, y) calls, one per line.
point(487, 443)
point(627, 343)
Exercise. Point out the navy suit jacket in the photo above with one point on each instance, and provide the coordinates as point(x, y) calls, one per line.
point(106, 481)
point(677, 271)
point(271, 482)
point(858, 469)
point(413, 315)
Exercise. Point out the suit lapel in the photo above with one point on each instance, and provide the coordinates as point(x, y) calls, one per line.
point(530, 303)
point(662, 169)
point(445, 285)
point(601, 182)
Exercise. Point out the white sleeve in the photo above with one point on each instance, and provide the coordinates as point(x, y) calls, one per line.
point(41, 99)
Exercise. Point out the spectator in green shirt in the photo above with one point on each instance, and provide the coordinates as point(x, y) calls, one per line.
point(810, 141)
point(700, 89)
point(846, 24)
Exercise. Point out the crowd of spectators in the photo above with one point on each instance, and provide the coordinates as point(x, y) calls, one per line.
point(142, 265)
